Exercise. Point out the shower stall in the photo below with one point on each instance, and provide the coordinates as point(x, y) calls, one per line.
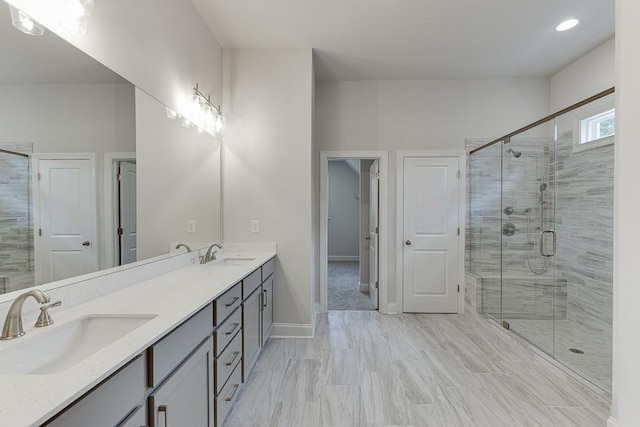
point(16, 220)
point(540, 251)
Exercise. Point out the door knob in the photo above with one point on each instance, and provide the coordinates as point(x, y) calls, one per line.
point(86, 243)
point(408, 243)
point(367, 238)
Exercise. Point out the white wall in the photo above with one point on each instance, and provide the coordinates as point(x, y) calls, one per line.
point(626, 316)
point(178, 174)
point(267, 166)
point(589, 75)
point(422, 115)
point(344, 212)
point(163, 48)
point(67, 118)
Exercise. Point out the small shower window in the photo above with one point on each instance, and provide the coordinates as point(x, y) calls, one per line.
point(595, 128)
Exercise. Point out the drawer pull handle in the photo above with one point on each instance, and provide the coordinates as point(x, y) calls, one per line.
point(235, 388)
point(265, 298)
point(233, 301)
point(230, 331)
point(163, 409)
point(233, 359)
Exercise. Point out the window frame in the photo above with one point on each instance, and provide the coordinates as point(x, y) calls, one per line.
point(580, 126)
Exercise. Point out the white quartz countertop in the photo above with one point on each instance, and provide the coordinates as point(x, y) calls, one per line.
point(173, 297)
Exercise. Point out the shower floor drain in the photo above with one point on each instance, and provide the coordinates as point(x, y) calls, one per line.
point(575, 350)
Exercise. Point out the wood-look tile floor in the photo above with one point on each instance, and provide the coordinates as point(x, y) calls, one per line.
point(368, 369)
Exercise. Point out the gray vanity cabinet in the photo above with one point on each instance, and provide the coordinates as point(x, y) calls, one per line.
point(252, 341)
point(267, 309)
point(187, 392)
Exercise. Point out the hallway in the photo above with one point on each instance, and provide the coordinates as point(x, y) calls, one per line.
point(343, 287)
point(365, 369)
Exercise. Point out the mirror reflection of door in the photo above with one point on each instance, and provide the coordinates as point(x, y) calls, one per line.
point(67, 217)
point(127, 229)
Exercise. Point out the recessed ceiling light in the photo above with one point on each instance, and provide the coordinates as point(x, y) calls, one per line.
point(567, 25)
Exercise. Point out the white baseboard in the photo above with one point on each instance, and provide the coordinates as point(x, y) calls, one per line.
point(364, 287)
point(292, 330)
point(611, 422)
point(314, 317)
point(342, 258)
point(392, 308)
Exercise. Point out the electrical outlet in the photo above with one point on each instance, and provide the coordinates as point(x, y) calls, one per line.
point(255, 226)
point(191, 226)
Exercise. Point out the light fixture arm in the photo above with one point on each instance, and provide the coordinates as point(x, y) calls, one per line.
point(207, 99)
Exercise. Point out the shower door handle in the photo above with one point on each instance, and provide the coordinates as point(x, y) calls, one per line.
point(553, 234)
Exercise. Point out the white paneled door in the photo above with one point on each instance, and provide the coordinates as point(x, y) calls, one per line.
point(430, 234)
point(67, 219)
point(127, 201)
point(374, 173)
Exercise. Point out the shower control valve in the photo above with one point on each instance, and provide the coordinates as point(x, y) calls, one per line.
point(509, 229)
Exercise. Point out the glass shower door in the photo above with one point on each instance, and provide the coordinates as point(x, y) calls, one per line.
point(528, 236)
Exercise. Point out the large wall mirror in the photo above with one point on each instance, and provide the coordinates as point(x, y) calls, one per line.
point(93, 172)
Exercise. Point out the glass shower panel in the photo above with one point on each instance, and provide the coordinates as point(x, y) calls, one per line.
point(584, 256)
point(485, 176)
point(16, 230)
point(527, 212)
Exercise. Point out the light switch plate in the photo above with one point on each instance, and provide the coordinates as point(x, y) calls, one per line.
point(191, 226)
point(255, 226)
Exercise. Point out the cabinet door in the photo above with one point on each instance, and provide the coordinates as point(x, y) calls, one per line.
point(251, 330)
point(267, 309)
point(184, 398)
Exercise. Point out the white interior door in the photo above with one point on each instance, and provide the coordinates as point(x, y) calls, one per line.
point(430, 225)
point(68, 219)
point(373, 233)
point(127, 203)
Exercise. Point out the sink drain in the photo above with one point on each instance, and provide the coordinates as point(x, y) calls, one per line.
point(576, 351)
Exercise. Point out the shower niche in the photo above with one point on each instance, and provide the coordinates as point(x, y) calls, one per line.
point(541, 241)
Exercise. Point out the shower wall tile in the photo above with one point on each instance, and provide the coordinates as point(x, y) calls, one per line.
point(16, 220)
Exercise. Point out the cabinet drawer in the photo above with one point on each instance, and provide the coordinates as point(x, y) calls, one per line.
point(268, 268)
point(227, 396)
point(250, 283)
point(169, 352)
point(225, 332)
point(227, 361)
point(224, 305)
point(108, 403)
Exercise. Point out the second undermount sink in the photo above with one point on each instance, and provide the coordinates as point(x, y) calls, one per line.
point(61, 348)
point(232, 262)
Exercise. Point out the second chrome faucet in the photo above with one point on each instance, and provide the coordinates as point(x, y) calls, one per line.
point(13, 327)
point(210, 255)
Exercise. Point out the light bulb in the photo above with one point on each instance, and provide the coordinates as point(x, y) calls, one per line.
point(219, 124)
point(186, 122)
point(25, 23)
point(74, 15)
point(567, 25)
point(170, 113)
point(73, 9)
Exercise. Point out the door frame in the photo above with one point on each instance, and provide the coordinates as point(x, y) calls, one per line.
point(36, 158)
point(399, 246)
point(383, 207)
point(111, 205)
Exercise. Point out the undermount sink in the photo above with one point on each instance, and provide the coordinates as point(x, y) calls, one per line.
point(63, 347)
point(232, 262)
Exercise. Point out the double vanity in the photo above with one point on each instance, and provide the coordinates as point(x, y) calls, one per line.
point(171, 350)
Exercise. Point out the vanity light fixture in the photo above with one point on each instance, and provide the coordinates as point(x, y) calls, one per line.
point(74, 15)
point(25, 23)
point(208, 115)
point(567, 25)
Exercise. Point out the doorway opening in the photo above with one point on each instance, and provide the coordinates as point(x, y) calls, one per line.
point(353, 209)
point(351, 268)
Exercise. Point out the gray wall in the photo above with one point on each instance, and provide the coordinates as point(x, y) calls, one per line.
point(344, 212)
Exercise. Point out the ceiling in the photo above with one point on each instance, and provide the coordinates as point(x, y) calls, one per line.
point(47, 59)
point(417, 39)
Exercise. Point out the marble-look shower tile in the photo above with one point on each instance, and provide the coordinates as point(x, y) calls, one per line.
point(301, 381)
point(296, 415)
point(341, 406)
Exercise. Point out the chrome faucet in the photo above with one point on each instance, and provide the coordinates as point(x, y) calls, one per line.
point(13, 323)
point(184, 245)
point(210, 256)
